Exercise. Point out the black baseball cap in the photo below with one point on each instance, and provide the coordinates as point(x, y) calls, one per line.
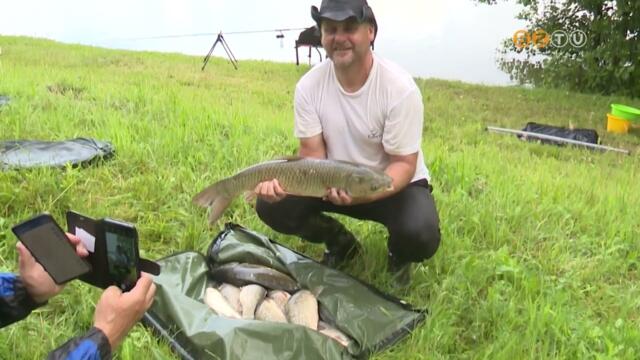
point(339, 10)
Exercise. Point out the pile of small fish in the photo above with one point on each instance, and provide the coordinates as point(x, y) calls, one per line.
point(244, 294)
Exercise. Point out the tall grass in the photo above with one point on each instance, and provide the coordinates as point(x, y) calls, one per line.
point(539, 257)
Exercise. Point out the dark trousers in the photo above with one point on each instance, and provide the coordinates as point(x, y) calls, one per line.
point(410, 217)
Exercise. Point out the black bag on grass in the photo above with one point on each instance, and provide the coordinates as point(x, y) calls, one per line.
point(584, 135)
point(32, 153)
point(372, 319)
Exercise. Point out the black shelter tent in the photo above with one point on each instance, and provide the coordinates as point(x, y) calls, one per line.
point(309, 37)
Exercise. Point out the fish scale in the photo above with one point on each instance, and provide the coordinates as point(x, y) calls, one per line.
point(297, 176)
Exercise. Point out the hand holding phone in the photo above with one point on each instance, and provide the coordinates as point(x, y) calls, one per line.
point(113, 251)
point(36, 280)
point(117, 312)
point(50, 247)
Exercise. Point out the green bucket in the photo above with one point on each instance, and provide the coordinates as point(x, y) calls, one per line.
point(625, 112)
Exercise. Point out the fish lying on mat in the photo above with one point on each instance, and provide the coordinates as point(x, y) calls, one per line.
point(268, 310)
point(240, 274)
point(243, 294)
point(232, 295)
point(250, 296)
point(302, 309)
point(333, 333)
point(216, 301)
point(280, 297)
point(297, 176)
point(255, 303)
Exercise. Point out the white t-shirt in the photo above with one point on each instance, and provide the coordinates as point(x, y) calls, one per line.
point(382, 118)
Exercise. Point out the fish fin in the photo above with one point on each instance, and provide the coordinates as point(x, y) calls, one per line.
point(250, 197)
point(211, 197)
point(289, 158)
point(217, 208)
point(206, 197)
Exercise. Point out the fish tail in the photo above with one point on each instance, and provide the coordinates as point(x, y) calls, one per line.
point(215, 199)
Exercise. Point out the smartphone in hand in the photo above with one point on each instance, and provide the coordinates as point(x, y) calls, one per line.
point(51, 248)
point(121, 240)
point(113, 251)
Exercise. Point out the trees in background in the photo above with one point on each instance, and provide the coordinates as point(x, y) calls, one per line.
point(581, 45)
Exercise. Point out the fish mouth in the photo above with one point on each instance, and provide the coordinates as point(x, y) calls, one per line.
point(389, 188)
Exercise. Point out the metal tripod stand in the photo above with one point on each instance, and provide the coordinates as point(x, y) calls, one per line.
point(220, 39)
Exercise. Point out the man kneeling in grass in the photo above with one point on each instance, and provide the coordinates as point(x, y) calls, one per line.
point(358, 107)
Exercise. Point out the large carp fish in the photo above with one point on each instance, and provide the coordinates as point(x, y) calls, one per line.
point(297, 176)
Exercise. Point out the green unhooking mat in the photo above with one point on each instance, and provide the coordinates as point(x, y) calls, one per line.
point(372, 319)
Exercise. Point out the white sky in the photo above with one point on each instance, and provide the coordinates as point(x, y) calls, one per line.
point(454, 39)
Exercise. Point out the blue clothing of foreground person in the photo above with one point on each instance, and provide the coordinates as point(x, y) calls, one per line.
point(16, 304)
point(116, 312)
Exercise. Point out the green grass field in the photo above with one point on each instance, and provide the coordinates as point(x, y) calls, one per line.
point(541, 244)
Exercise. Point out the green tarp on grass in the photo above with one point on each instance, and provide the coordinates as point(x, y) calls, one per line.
point(372, 319)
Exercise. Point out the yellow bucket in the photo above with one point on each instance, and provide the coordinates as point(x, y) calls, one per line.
point(617, 125)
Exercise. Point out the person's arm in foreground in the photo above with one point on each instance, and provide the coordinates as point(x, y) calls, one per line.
point(19, 295)
point(116, 313)
point(15, 302)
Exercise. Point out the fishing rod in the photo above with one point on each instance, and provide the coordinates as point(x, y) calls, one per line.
point(220, 40)
point(556, 138)
point(208, 34)
point(262, 31)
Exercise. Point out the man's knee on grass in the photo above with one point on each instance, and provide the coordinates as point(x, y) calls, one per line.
point(415, 242)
